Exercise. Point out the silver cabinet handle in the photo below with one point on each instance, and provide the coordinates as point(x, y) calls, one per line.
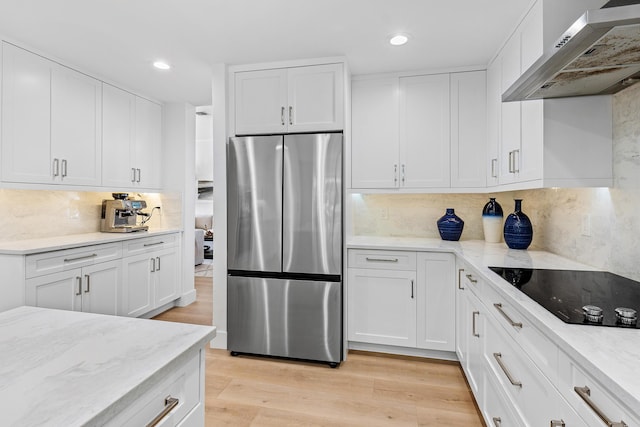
point(80, 258)
point(403, 175)
point(498, 307)
point(510, 161)
point(494, 162)
point(585, 394)
point(516, 167)
point(56, 167)
point(158, 264)
point(64, 168)
point(513, 381)
point(471, 279)
point(87, 280)
point(290, 115)
point(79, 283)
point(133, 174)
point(139, 175)
point(153, 265)
point(556, 423)
point(153, 244)
point(282, 115)
point(395, 175)
point(497, 421)
point(382, 259)
point(460, 270)
point(412, 294)
point(473, 323)
point(169, 404)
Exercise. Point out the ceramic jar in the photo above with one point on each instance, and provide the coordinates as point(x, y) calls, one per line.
point(518, 230)
point(450, 226)
point(492, 216)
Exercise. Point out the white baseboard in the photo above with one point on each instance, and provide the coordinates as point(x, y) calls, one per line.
point(186, 299)
point(404, 351)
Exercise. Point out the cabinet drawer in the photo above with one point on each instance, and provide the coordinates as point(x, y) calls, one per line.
point(183, 385)
point(537, 346)
point(571, 376)
point(497, 408)
point(148, 244)
point(468, 279)
point(68, 259)
point(385, 260)
point(533, 395)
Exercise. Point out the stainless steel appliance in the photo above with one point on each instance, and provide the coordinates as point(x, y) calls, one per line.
point(121, 214)
point(599, 54)
point(284, 216)
point(596, 298)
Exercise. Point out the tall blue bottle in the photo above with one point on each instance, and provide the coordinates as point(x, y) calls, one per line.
point(518, 231)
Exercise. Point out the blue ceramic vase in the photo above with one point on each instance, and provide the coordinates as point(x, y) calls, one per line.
point(492, 221)
point(518, 231)
point(450, 226)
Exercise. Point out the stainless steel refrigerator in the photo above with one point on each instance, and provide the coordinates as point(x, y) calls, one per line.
point(284, 215)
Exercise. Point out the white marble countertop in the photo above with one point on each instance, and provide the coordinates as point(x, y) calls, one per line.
point(31, 246)
point(65, 368)
point(611, 355)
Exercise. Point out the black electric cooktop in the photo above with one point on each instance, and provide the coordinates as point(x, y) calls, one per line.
point(596, 298)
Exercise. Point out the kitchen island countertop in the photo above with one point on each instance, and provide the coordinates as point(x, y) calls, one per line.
point(65, 368)
point(611, 355)
point(46, 244)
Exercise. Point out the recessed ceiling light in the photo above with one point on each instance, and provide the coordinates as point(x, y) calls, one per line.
point(399, 39)
point(161, 65)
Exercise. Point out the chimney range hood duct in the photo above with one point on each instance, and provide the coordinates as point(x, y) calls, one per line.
point(598, 55)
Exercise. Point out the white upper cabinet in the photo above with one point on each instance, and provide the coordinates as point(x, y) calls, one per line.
point(419, 132)
point(468, 129)
point(131, 153)
point(297, 99)
point(424, 131)
point(375, 144)
point(51, 122)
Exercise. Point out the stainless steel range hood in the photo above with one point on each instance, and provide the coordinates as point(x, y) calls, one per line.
point(599, 54)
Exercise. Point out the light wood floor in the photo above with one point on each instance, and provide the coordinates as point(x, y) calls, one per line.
point(367, 390)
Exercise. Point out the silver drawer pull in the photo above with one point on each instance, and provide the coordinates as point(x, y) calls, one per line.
point(80, 258)
point(79, 283)
point(460, 270)
point(473, 323)
point(556, 423)
point(153, 244)
point(497, 421)
point(471, 279)
point(585, 394)
point(169, 404)
point(382, 259)
point(498, 307)
point(513, 381)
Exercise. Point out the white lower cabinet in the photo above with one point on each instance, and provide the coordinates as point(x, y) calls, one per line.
point(401, 298)
point(150, 274)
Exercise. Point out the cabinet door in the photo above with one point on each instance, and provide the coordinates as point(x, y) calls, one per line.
point(100, 284)
point(510, 125)
point(468, 129)
point(118, 136)
point(147, 159)
point(374, 131)
point(62, 291)
point(381, 306)
point(476, 320)
point(166, 276)
point(316, 98)
point(261, 102)
point(76, 126)
point(136, 292)
point(26, 116)
point(436, 301)
point(424, 131)
point(462, 326)
point(494, 112)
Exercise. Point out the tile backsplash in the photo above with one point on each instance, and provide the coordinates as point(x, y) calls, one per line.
point(556, 214)
point(29, 214)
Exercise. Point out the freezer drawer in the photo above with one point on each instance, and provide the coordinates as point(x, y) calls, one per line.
point(289, 318)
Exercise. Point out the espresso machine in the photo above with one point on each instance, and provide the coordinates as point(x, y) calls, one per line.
point(120, 215)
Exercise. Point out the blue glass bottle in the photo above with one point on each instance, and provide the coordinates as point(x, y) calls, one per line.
point(492, 216)
point(450, 226)
point(518, 231)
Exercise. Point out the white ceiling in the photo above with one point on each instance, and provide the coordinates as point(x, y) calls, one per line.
point(117, 40)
